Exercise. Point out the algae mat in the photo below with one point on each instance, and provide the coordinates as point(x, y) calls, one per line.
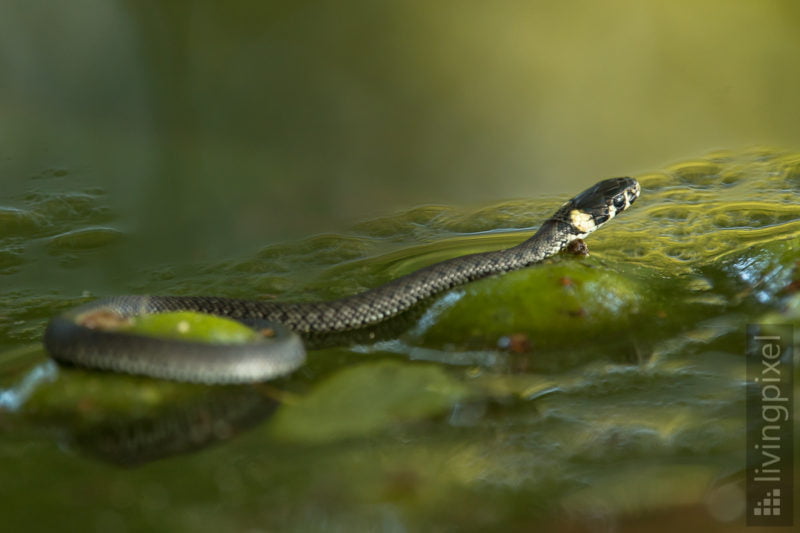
point(607, 389)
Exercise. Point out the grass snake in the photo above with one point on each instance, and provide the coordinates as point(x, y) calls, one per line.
point(80, 337)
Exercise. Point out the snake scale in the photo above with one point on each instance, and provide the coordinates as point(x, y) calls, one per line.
point(77, 337)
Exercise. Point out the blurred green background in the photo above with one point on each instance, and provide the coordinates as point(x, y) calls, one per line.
point(218, 127)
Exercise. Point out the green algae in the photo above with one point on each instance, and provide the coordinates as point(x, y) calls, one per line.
point(16, 220)
point(191, 326)
point(365, 399)
point(83, 239)
point(554, 305)
point(564, 384)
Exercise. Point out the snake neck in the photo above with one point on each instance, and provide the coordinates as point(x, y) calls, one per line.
point(400, 295)
point(378, 304)
point(551, 238)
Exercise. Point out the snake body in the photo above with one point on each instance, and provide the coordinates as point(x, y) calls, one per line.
point(72, 338)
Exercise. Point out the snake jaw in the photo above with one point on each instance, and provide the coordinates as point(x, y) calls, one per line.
point(631, 194)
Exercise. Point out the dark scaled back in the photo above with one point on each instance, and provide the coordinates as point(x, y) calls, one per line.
point(71, 339)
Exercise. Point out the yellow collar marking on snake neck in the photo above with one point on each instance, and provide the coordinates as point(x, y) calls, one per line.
point(582, 222)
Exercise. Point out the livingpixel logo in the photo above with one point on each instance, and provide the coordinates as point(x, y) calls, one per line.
point(770, 420)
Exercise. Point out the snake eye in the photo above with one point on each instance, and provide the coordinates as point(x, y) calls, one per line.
point(619, 202)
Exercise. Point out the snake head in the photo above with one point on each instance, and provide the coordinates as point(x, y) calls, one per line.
point(597, 205)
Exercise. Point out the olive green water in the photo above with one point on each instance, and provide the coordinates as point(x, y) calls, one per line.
point(607, 389)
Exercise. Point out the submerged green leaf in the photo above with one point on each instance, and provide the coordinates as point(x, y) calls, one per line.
point(366, 399)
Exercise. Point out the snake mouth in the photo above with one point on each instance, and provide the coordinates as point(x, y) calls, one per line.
point(634, 192)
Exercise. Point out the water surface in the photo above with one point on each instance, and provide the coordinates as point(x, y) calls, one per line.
point(607, 388)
